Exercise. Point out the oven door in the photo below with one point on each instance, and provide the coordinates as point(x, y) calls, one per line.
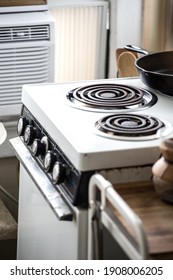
point(48, 226)
point(114, 230)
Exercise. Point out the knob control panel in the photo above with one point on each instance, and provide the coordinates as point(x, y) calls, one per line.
point(48, 154)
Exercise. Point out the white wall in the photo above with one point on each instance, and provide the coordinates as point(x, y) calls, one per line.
point(126, 19)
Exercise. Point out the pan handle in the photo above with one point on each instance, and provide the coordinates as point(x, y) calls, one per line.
point(136, 49)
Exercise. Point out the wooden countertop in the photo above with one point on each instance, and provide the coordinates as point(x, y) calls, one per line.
point(5, 3)
point(156, 216)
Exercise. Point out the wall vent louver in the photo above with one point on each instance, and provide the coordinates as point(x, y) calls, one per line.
point(27, 54)
point(21, 66)
point(24, 33)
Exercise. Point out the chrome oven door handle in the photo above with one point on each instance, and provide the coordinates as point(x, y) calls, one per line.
point(49, 192)
point(97, 238)
point(109, 194)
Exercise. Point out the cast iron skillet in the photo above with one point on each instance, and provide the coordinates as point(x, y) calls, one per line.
point(155, 69)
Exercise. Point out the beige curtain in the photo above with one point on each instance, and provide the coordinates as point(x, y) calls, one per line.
point(76, 34)
point(80, 41)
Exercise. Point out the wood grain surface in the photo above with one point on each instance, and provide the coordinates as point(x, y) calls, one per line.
point(156, 216)
point(4, 3)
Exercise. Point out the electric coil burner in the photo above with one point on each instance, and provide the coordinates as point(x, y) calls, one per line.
point(110, 97)
point(129, 126)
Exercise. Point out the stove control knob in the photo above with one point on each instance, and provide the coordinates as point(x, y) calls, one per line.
point(38, 148)
point(58, 173)
point(49, 161)
point(45, 142)
point(21, 125)
point(29, 134)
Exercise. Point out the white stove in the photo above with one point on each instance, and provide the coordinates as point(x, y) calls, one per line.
point(66, 139)
point(56, 112)
point(74, 129)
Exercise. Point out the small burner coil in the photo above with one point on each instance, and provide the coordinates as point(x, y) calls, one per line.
point(128, 125)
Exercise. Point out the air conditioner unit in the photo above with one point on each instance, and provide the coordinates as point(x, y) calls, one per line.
point(27, 50)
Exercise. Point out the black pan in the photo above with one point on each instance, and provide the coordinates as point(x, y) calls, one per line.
point(155, 69)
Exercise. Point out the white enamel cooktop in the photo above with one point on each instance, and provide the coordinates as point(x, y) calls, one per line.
point(73, 129)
